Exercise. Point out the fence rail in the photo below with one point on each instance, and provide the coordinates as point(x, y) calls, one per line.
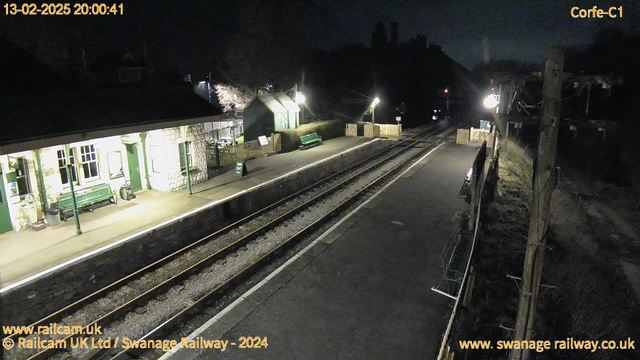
point(222, 157)
point(479, 177)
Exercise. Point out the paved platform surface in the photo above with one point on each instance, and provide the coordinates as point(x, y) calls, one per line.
point(26, 253)
point(362, 290)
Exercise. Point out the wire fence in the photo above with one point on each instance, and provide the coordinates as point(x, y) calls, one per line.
point(454, 256)
point(458, 253)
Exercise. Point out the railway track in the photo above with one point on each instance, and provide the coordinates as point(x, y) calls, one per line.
point(218, 250)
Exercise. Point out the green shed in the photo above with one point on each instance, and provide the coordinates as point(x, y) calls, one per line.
point(269, 113)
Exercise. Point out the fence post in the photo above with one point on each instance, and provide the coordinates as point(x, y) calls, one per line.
point(472, 188)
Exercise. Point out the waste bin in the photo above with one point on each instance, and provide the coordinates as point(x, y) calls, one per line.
point(126, 193)
point(53, 215)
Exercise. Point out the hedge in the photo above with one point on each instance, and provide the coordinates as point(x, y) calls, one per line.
point(327, 129)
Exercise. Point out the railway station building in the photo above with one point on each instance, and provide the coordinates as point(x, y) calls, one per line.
point(268, 113)
point(109, 137)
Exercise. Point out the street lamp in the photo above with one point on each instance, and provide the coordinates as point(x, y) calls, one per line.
point(375, 102)
point(446, 92)
point(490, 101)
point(300, 100)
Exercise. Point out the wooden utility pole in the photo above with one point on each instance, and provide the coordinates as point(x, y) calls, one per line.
point(543, 185)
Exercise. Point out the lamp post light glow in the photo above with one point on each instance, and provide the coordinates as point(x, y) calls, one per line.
point(375, 102)
point(490, 101)
point(446, 92)
point(300, 99)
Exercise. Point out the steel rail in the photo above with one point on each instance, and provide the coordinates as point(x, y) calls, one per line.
point(252, 268)
point(59, 314)
point(147, 295)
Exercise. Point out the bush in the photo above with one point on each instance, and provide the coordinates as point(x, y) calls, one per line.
point(326, 129)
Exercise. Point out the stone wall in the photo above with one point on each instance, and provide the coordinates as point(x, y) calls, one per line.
point(49, 293)
point(166, 153)
point(164, 148)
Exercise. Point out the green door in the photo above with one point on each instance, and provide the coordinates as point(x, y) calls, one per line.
point(134, 168)
point(5, 218)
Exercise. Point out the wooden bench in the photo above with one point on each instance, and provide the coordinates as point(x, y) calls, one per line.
point(310, 140)
point(85, 198)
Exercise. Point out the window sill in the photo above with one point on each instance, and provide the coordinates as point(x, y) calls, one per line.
point(88, 182)
point(191, 170)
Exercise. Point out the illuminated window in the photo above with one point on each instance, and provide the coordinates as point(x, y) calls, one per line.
point(62, 166)
point(22, 176)
point(114, 159)
point(181, 152)
point(89, 161)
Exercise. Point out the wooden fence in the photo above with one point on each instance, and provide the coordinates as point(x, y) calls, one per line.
point(220, 158)
point(351, 130)
point(390, 130)
point(462, 136)
point(474, 136)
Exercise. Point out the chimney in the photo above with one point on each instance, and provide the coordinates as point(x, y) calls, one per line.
point(394, 33)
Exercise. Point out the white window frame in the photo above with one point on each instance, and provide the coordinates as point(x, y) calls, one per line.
point(114, 166)
point(21, 160)
point(74, 163)
point(154, 151)
point(89, 155)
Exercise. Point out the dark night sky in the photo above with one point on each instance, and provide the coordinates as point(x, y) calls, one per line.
point(188, 33)
point(514, 29)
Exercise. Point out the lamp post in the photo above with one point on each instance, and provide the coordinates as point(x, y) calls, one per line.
point(73, 192)
point(300, 100)
point(375, 102)
point(446, 93)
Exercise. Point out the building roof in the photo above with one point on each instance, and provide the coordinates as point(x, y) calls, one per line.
point(276, 102)
point(115, 60)
point(38, 117)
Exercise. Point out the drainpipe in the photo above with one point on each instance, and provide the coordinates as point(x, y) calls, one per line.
point(43, 191)
point(73, 193)
point(143, 138)
point(185, 131)
point(186, 162)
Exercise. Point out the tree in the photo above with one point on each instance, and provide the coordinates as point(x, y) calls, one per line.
point(232, 98)
point(267, 50)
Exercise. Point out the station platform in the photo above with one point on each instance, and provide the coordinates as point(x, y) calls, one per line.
point(362, 289)
point(29, 253)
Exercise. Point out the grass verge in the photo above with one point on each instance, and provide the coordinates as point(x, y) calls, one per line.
point(593, 299)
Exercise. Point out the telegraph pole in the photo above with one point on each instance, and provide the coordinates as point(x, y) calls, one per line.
point(543, 184)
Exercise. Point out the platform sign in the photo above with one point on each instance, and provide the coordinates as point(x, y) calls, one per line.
point(241, 168)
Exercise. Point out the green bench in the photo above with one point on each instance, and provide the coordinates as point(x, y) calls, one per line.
point(310, 140)
point(85, 198)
